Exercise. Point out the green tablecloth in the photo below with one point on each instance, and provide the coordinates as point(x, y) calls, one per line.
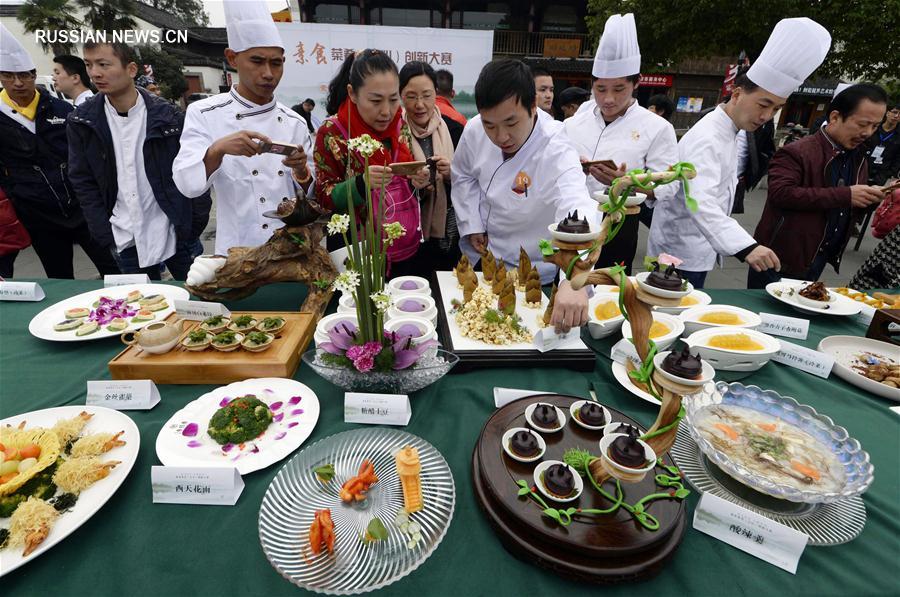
point(133, 546)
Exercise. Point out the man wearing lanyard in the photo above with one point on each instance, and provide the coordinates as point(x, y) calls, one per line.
point(884, 161)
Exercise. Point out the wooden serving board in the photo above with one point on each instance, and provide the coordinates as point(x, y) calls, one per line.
point(180, 366)
point(609, 548)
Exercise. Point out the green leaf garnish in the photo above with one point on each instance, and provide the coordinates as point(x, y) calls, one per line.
point(324, 473)
point(376, 531)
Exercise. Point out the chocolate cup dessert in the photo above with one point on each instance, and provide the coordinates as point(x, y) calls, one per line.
point(592, 414)
point(683, 364)
point(524, 444)
point(544, 415)
point(628, 452)
point(559, 481)
point(573, 225)
point(668, 280)
point(629, 430)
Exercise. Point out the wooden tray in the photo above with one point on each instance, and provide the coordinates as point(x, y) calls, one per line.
point(606, 549)
point(210, 366)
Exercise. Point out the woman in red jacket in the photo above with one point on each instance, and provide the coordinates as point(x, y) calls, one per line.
point(13, 236)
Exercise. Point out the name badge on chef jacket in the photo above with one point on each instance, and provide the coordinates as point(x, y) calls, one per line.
point(878, 154)
point(521, 183)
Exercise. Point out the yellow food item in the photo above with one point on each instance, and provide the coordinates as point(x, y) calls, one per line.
point(658, 329)
point(688, 300)
point(30, 524)
point(74, 475)
point(607, 310)
point(408, 469)
point(69, 429)
point(19, 438)
point(734, 342)
point(96, 444)
point(721, 318)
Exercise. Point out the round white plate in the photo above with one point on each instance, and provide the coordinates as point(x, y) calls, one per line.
point(702, 300)
point(573, 237)
point(842, 306)
point(41, 325)
point(183, 440)
point(91, 499)
point(621, 375)
point(602, 198)
point(844, 350)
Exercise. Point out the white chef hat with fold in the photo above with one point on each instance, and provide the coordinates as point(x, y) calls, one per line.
point(13, 57)
point(249, 24)
point(794, 50)
point(840, 87)
point(618, 53)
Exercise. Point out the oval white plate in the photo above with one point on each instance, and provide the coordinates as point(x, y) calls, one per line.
point(675, 325)
point(180, 445)
point(41, 325)
point(507, 436)
point(841, 306)
point(579, 483)
point(661, 292)
point(632, 201)
point(576, 406)
point(707, 372)
point(559, 413)
point(703, 299)
point(724, 359)
point(621, 375)
point(691, 316)
point(91, 499)
point(573, 237)
point(844, 350)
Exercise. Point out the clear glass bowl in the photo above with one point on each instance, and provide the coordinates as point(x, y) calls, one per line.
point(425, 372)
point(858, 471)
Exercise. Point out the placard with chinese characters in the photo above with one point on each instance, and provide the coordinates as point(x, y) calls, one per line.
point(624, 351)
point(805, 359)
point(110, 280)
point(196, 485)
point(503, 396)
point(130, 394)
point(547, 338)
point(200, 310)
point(780, 325)
point(377, 409)
point(21, 291)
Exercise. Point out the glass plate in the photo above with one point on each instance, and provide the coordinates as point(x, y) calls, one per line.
point(289, 506)
point(427, 370)
point(858, 471)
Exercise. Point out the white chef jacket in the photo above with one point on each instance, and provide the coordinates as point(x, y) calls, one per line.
point(244, 187)
point(639, 138)
point(697, 238)
point(484, 199)
point(83, 97)
point(137, 219)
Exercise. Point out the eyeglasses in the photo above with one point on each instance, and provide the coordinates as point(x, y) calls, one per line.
point(24, 77)
point(416, 98)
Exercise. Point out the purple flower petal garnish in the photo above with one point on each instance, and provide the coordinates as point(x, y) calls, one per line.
point(227, 447)
point(280, 435)
point(254, 449)
point(277, 418)
point(268, 391)
point(275, 405)
point(190, 430)
point(292, 424)
point(224, 401)
point(295, 399)
point(296, 411)
point(194, 444)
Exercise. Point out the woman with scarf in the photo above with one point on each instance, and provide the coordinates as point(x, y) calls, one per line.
point(432, 138)
point(364, 98)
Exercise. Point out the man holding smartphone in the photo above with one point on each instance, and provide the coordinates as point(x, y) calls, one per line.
point(235, 142)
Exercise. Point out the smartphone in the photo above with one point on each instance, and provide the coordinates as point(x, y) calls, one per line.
point(608, 163)
point(284, 149)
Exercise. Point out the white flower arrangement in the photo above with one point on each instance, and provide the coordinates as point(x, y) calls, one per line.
point(339, 224)
point(393, 231)
point(382, 300)
point(347, 281)
point(365, 145)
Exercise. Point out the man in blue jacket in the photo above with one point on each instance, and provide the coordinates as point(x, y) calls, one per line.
point(33, 166)
point(122, 143)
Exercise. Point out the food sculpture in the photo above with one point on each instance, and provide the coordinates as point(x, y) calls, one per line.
point(408, 469)
point(294, 253)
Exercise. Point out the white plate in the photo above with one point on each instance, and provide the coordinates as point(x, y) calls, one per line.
point(602, 198)
point(724, 359)
point(675, 325)
point(600, 328)
point(841, 306)
point(692, 323)
point(560, 415)
point(539, 470)
point(641, 279)
point(573, 237)
point(507, 437)
point(707, 373)
point(844, 350)
point(180, 444)
point(41, 325)
point(702, 300)
point(621, 375)
point(91, 499)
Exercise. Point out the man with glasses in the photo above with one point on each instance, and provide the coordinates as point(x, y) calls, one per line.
point(33, 166)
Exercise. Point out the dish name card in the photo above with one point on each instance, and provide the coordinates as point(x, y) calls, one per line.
point(547, 338)
point(805, 359)
point(779, 325)
point(21, 291)
point(376, 409)
point(110, 280)
point(196, 485)
point(750, 532)
point(200, 310)
point(131, 394)
point(624, 351)
point(503, 396)
point(865, 315)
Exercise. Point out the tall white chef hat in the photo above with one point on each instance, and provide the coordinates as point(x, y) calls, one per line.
point(249, 25)
point(618, 54)
point(840, 87)
point(795, 49)
point(13, 57)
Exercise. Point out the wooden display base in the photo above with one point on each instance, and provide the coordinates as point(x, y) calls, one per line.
point(609, 548)
point(633, 211)
point(652, 299)
point(664, 382)
point(880, 328)
point(210, 366)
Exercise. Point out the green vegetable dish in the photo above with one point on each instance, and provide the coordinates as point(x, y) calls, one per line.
point(225, 338)
point(241, 420)
point(243, 321)
point(271, 323)
point(214, 320)
point(258, 338)
point(197, 336)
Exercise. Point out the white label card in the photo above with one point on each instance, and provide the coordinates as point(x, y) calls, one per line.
point(123, 394)
point(196, 485)
point(750, 532)
point(200, 310)
point(865, 315)
point(547, 339)
point(779, 325)
point(21, 291)
point(624, 351)
point(376, 409)
point(805, 359)
point(503, 396)
point(123, 279)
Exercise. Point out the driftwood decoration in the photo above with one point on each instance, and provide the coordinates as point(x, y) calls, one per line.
point(292, 254)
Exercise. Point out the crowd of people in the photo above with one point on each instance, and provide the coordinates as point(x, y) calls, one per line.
point(130, 177)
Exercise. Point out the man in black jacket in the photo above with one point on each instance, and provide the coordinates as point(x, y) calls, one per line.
point(33, 166)
point(123, 142)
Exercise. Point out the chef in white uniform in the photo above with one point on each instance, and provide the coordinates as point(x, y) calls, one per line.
point(616, 128)
point(514, 173)
point(224, 134)
point(794, 50)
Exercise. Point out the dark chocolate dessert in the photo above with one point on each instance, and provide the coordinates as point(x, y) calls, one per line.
point(286, 207)
point(627, 452)
point(524, 444)
point(573, 225)
point(544, 415)
point(629, 430)
point(683, 364)
point(668, 280)
point(559, 481)
point(591, 414)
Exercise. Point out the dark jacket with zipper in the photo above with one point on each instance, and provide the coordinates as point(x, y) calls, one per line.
point(33, 167)
point(92, 167)
point(801, 194)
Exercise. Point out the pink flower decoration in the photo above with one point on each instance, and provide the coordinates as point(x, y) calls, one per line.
point(666, 259)
point(364, 364)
